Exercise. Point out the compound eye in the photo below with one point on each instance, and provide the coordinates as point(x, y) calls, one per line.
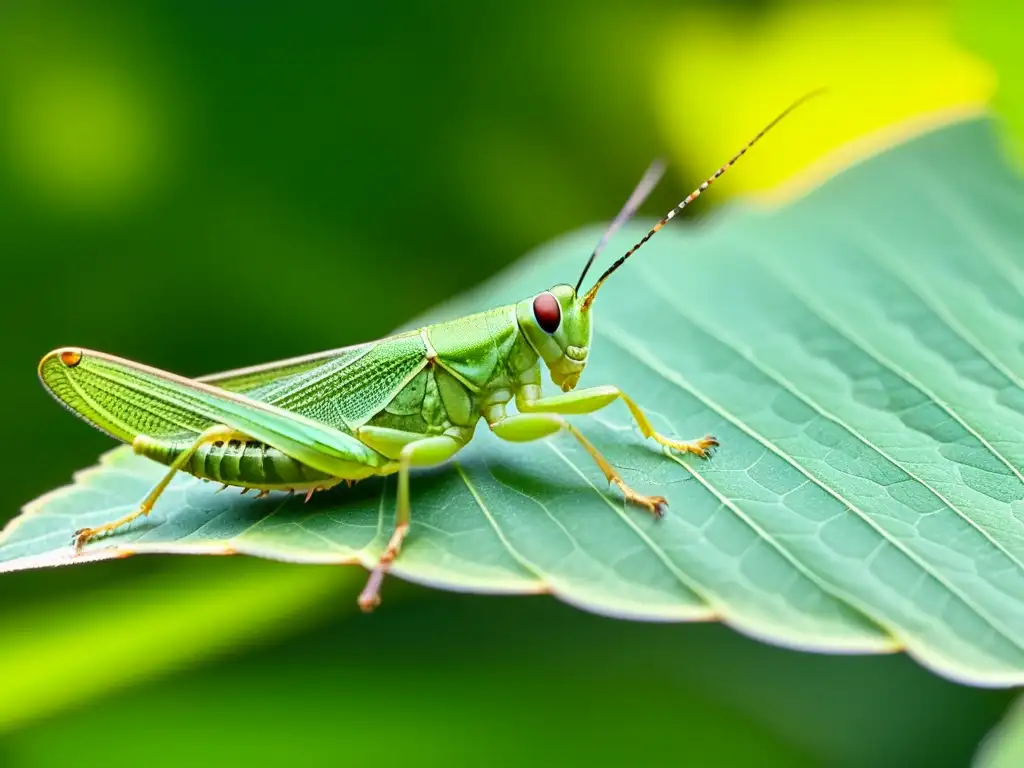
point(547, 312)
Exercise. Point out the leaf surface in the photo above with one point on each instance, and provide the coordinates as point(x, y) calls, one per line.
point(858, 353)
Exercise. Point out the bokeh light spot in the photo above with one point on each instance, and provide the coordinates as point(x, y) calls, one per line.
point(85, 137)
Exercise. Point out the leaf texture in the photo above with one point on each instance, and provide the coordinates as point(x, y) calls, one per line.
point(858, 353)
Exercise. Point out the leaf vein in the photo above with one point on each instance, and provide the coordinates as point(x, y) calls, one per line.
point(826, 317)
point(636, 349)
point(744, 352)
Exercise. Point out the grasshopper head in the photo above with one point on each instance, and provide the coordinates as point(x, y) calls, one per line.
point(558, 328)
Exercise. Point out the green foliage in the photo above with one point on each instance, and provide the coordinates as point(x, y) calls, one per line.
point(1004, 746)
point(460, 680)
point(855, 353)
point(989, 27)
point(57, 655)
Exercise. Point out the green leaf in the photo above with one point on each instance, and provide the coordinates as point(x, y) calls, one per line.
point(1003, 747)
point(858, 355)
point(54, 656)
point(987, 27)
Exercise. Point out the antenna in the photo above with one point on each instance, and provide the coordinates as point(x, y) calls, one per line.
point(589, 298)
point(649, 181)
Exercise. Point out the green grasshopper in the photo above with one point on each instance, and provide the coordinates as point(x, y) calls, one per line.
point(383, 407)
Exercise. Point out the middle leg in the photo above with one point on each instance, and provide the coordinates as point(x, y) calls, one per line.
point(413, 450)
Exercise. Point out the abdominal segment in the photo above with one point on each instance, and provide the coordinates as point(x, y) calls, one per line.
point(248, 463)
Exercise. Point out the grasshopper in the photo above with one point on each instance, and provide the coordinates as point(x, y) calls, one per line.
point(378, 408)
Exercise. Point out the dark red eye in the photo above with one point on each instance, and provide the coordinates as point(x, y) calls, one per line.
point(547, 312)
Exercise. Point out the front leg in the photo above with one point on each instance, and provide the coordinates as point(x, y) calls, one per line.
point(524, 427)
point(530, 400)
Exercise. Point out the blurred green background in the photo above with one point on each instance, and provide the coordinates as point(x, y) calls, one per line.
point(203, 186)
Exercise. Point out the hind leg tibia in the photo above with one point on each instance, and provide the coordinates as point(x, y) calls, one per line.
point(212, 435)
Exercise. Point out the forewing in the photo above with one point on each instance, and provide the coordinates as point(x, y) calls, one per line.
point(258, 376)
point(343, 388)
point(346, 392)
point(126, 399)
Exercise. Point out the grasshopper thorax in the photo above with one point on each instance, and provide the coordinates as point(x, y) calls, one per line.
point(556, 326)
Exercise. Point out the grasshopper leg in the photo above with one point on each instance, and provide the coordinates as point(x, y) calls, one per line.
point(594, 399)
point(524, 427)
point(418, 452)
point(212, 435)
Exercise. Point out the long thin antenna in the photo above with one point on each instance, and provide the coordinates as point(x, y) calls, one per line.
point(649, 181)
point(589, 298)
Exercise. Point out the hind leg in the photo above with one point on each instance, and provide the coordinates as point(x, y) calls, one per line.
point(212, 435)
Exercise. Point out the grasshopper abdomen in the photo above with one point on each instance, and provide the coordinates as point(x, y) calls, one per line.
point(245, 463)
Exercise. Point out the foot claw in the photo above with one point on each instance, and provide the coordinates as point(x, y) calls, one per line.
point(653, 504)
point(81, 538)
point(706, 446)
point(703, 447)
point(367, 603)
